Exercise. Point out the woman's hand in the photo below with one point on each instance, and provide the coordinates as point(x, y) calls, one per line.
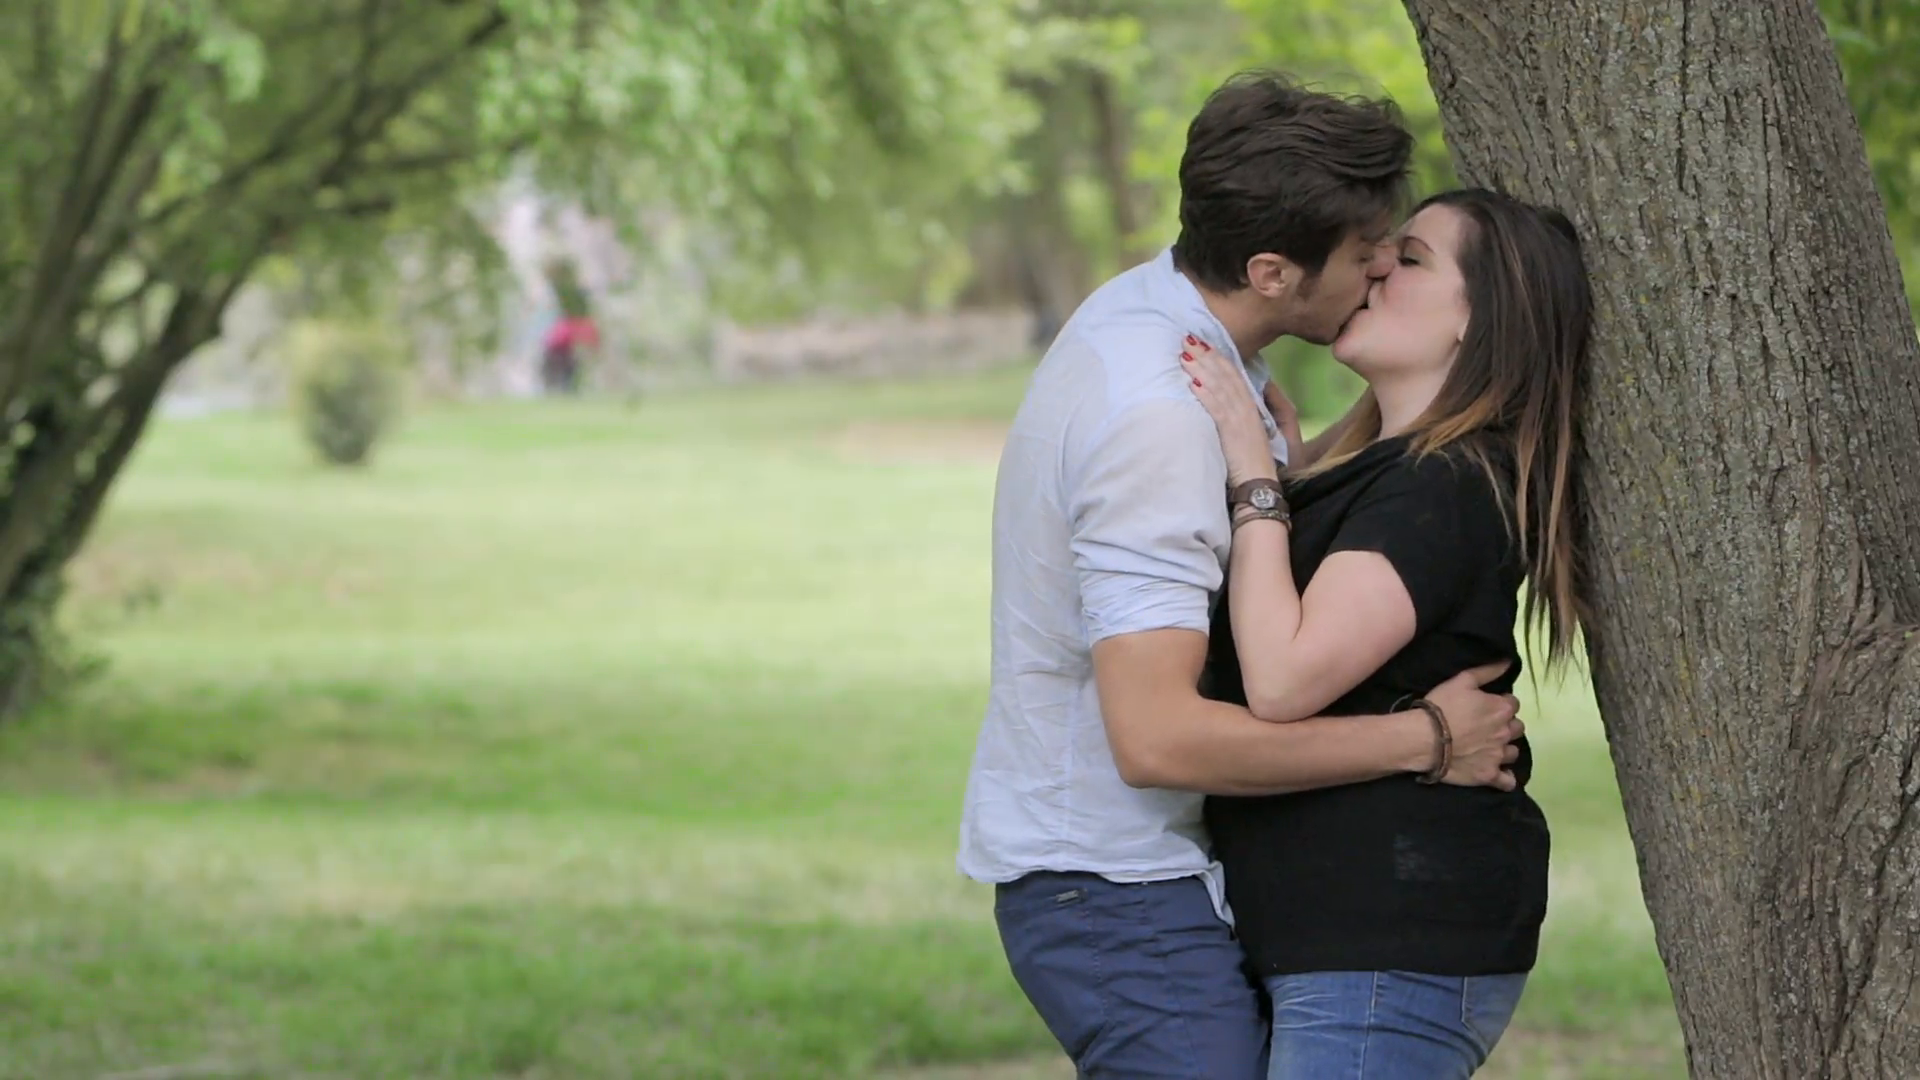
point(1222, 387)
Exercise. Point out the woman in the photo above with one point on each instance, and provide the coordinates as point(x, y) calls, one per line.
point(560, 352)
point(1393, 922)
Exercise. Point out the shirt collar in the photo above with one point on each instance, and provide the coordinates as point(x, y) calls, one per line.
point(1183, 299)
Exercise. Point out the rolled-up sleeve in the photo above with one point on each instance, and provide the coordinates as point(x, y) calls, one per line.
point(1147, 503)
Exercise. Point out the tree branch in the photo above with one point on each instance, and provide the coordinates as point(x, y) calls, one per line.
point(71, 257)
point(43, 81)
point(137, 398)
point(45, 49)
point(292, 133)
point(106, 314)
point(401, 93)
point(1115, 156)
point(63, 225)
point(39, 489)
point(358, 130)
point(138, 393)
point(33, 506)
point(405, 164)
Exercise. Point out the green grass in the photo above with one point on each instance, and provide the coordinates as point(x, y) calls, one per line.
point(574, 741)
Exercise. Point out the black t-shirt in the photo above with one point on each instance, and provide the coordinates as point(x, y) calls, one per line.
point(1394, 874)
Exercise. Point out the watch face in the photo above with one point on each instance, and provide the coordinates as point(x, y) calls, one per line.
point(1263, 499)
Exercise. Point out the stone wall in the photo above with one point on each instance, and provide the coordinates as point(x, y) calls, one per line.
point(655, 324)
point(898, 344)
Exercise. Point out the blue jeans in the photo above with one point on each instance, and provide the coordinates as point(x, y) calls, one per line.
point(1137, 982)
point(1387, 1025)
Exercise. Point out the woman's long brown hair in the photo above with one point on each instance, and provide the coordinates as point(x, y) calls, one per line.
point(1514, 391)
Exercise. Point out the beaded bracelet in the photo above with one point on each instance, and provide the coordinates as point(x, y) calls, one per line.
point(1245, 516)
point(1443, 738)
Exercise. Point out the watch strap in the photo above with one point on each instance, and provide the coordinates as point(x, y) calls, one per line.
point(1242, 494)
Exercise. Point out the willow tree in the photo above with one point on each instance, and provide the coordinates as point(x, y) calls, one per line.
point(1752, 432)
point(153, 153)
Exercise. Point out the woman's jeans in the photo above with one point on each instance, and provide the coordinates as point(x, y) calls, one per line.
point(1387, 1025)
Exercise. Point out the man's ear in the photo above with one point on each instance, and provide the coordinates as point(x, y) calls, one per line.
point(1273, 276)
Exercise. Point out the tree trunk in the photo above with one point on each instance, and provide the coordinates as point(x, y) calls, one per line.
point(125, 276)
point(58, 484)
point(1030, 252)
point(1751, 436)
point(1114, 157)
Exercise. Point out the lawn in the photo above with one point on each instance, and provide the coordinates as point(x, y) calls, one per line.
point(578, 741)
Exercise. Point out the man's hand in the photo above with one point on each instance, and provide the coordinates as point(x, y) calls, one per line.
point(1484, 727)
point(1287, 417)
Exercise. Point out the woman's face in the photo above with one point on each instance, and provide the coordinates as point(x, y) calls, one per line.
point(1416, 316)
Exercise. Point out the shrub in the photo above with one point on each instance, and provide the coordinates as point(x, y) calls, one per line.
point(346, 386)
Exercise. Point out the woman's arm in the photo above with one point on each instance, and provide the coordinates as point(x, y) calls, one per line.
point(1297, 654)
point(1300, 654)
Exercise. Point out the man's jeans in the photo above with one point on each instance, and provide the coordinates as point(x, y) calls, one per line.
point(1387, 1025)
point(1137, 982)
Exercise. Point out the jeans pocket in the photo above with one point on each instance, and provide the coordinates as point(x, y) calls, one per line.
point(1487, 1003)
point(1034, 901)
point(1055, 958)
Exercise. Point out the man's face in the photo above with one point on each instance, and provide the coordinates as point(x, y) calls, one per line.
point(1318, 307)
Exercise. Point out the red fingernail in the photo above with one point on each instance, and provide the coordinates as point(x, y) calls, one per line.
point(1191, 340)
point(1186, 357)
point(1196, 382)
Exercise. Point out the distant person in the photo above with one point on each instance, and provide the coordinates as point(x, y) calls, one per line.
point(1111, 533)
point(560, 352)
point(1394, 924)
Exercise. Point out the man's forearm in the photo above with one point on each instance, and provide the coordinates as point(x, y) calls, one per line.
point(1165, 735)
point(1222, 749)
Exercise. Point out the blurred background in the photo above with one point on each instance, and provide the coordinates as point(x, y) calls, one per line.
point(493, 573)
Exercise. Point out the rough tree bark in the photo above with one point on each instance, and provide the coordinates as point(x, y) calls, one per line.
point(1752, 437)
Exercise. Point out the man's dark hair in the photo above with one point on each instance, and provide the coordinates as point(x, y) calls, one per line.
point(1272, 166)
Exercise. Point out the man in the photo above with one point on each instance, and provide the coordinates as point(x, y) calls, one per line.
point(1111, 533)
